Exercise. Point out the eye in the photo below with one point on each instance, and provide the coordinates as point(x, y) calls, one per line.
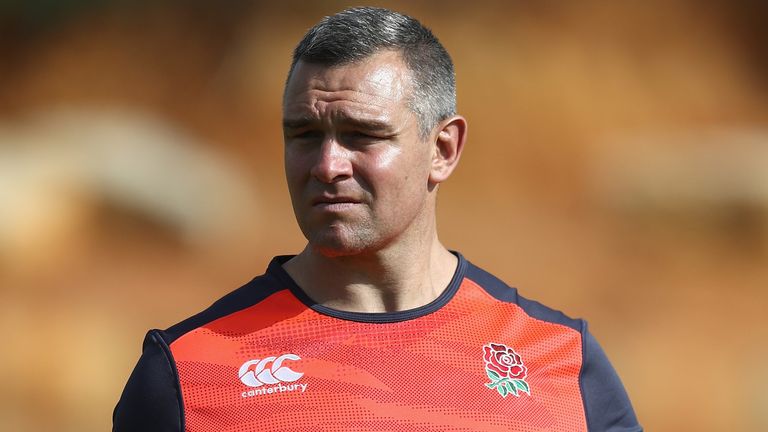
point(359, 138)
point(305, 135)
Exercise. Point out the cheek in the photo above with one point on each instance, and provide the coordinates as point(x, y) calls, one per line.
point(388, 158)
point(296, 165)
point(294, 178)
point(403, 168)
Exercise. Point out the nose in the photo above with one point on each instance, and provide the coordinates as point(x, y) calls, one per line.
point(333, 162)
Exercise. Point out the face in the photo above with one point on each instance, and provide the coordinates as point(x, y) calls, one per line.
point(356, 166)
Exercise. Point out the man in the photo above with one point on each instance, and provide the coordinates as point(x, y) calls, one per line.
point(375, 325)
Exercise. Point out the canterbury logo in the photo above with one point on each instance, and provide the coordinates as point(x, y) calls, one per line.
point(255, 373)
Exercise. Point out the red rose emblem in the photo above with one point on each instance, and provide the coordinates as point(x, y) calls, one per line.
point(504, 361)
point(505, 369)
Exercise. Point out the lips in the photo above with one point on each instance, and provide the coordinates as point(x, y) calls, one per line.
point(325, 200)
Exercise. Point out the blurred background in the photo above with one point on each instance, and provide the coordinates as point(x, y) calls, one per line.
point(617, 169)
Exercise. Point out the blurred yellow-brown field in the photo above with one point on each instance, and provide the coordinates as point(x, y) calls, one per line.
point(617, 169)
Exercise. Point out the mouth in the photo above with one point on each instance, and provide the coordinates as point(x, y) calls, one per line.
point(334, 199)
point(324, 200)
point(334, 203)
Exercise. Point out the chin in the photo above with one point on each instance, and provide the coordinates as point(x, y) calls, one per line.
point(338, 244)
point(335, 248)
point(334, 252)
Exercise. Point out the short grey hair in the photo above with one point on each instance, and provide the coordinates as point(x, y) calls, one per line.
point(357, 33)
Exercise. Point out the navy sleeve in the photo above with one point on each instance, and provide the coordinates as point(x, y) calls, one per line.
point(151, 400)
point(606, 403)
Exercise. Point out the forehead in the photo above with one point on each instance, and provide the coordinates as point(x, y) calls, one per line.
point(381, 80)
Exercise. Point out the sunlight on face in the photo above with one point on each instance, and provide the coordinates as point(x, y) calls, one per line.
point(356, 167)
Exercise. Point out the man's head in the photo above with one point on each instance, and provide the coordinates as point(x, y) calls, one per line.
point(362, 164)
point(354, 34)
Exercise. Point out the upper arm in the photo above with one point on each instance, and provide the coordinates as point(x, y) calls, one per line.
point(151, 400)
point(606, 403)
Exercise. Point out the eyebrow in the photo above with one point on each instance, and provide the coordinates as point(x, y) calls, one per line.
point(344, 120)
point(299, 122)
point(366, 124)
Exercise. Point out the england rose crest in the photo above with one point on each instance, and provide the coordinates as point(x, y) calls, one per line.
point(506, 370)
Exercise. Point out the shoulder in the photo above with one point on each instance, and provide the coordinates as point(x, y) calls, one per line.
point(502, 292)
point(252, 293)
point(152, 399)
point(606, 404)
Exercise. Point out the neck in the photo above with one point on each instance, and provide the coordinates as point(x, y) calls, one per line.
point(395, 278)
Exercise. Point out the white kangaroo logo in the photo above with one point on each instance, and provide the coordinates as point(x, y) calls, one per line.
point(261, 375)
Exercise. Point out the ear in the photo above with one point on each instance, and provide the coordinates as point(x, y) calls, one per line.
point(448, 145)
